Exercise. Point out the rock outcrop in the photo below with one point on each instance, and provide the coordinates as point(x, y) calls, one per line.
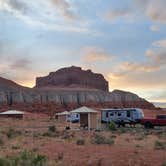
point(53, 98)
point(73, 77)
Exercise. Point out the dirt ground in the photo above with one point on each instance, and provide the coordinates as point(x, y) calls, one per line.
point(124, 147)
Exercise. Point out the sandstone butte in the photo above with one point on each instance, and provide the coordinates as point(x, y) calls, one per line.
point(66, 88)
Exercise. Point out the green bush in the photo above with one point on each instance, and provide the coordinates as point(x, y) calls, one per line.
point(99, 139)
point(80, 142)
point(160, 145)
point(4, 162)
point(111, 126)
point(11, 133)
point(51, 128)
point(26, 158)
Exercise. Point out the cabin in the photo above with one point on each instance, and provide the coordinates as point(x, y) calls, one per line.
point(63, 116)
point(12, 114)
point(122, 115)
point(88, 117)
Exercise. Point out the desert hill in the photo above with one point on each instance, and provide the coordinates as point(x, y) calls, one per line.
point(64, 89)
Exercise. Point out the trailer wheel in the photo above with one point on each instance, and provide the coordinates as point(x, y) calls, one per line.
point(148, 125)
point(123, 124)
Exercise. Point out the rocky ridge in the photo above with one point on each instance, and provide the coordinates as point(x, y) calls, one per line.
point(73, 77)
point(48, 97)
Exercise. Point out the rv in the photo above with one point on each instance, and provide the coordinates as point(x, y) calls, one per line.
point(122, 116)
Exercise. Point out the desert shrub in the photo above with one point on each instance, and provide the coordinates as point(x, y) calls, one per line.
point(99, 139)
point(67, 135)
point(11, 133)
point(4, 162)
point(160, 145)
point(1, 142)
point(26, 158)
point(113, 136)
point(52, 132)
point(52, 129)
point(29, 158)
point(15, 147)
point(138, 146)
point(47, 134)
point(111, 126)
point(162, 135)
point(140, 137)
point(164, 163)
point(80, 142)
point(60, 156)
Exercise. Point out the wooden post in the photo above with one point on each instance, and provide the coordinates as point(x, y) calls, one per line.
point(89, 125)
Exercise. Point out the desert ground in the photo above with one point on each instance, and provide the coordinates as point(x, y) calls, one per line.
point(45, 136)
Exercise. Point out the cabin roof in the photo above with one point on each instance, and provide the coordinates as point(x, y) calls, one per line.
point(84, 110)
point(12, 112)
point(63, 113)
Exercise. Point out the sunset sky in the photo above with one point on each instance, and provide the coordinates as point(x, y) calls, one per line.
point(125, 40)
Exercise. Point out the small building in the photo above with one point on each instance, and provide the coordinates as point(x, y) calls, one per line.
point(63, 116)
point(88, 117)
point(12, 114)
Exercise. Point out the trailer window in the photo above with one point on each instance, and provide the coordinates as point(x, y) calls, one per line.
point(111, 114)
point(161, 116)
point(106, 114)
point(119, 114)
point(128, 113)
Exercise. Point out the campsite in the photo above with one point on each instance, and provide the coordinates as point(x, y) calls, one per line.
point(48, 137)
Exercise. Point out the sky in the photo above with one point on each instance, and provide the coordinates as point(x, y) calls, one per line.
point(124, 40)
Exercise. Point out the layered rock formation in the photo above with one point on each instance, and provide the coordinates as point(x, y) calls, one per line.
point(54, 92)
point(73, 77)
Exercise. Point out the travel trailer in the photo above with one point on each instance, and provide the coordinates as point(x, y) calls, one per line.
point(122, 116)
point(73, 117)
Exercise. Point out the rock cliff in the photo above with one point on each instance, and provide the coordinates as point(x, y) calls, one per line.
point(53, 98)
point(73, 77)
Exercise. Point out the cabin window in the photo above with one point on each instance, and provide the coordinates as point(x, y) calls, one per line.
point(128, 113)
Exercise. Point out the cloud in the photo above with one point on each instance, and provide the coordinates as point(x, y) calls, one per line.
point(18, 5)
point(139, 67)
point(42, 15)
point(155, 28)
point(95, 54)
point(65, 9)
point(14, 6)
point(155, 59)
point(159, 96)
point(147, 74)
point(156, 10)
point(160, 43)
point(114, 14)
point(153, 9)
point(20, 64)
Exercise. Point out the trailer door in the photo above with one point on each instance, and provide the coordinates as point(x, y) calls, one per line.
point(112, 116)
